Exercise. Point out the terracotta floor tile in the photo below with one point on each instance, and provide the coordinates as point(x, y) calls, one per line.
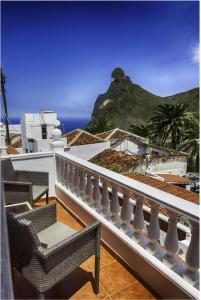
point(115, 281)
point(133, 291)
point(114, 277)
point(86, 292)
point(105, 258)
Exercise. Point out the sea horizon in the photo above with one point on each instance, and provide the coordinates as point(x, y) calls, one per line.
point(66, 124)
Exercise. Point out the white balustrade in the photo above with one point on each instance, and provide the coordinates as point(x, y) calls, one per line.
point(83, 179)
point(96, 193)
point(82, 186)
point(62, 171)
point(71, 176)
point(138, 222)
point(192, 255)
point(114, 205)
point(66, 171)
point(76, 179)
point(171, 241)
point(89, 189)
point(126, 212)
point(154, 228)
point(105, 199)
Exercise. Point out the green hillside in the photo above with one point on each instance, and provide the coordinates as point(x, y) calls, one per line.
point(125, 103)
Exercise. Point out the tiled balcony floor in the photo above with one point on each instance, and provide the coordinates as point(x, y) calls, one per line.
point(115, 281)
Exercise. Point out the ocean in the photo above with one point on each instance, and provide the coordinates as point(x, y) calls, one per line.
point(66, 123)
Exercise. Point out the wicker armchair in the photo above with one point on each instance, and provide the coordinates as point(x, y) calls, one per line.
point(46, 251)
point(23, 186)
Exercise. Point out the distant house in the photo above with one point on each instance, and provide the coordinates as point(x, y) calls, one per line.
point(176, 180)
point(36, 131)
point(158, 159)
point(117, 134)
point(84, 144)
point(130, 145)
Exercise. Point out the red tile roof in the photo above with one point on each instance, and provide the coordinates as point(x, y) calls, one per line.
point(171, 178)
point(80, 137)
point(166, 187)
point(117, 161)
point(11, 150)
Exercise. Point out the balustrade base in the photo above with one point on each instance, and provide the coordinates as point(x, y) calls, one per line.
point(170, 261)
point(192, 277)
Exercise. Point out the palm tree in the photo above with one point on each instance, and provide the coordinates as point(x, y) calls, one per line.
point(99, 125)
point(141, 130)
point(168, 123)
point(190, 144)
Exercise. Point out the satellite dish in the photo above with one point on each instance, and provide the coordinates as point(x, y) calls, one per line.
point(57, 123)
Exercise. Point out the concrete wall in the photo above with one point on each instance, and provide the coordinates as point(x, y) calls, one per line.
point(175, 165)
point(130, 147)
point(89, 151)
point(36, 162)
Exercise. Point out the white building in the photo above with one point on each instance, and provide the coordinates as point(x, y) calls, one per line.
point(36, 131)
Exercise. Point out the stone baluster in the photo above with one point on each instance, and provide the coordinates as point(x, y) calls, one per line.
point(114, 205)
point(76, 179)
point(192, 255)
point(62, 171)
point(126, 212)
point(171, 240)
point(71, 176)
point(57, 160)
point(105, 199)
point(82, 183)
point(89, 190)
point(66, 171)
point(154, 228)
point(138, 221)
point(96, 193)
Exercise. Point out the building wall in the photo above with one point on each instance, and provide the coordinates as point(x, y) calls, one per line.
point(130, 147)
point(174, 165)
point(90, 150)
point(36, 162)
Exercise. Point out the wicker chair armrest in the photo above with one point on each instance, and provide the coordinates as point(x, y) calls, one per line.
point(41, 217)
point(17, 192)
point(37, 178)
point(72, 248)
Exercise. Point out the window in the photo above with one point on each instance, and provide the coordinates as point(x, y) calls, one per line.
point(44, 131)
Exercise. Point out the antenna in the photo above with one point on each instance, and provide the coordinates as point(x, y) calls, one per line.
point(3, 94)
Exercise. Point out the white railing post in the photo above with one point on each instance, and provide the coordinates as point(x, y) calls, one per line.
point(171, 240)
point(114, 206)
point(192, 255)
point(57, 168)
point(96, 193)
point(105, 199)
point(154, 228)
point(138, 221)
point(126, 212)
point(71, 176)
point(89, 190)
point(82, 183)
point(66, 171)
point(76, 179)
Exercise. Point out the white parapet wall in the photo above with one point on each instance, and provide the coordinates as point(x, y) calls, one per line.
point(88, 151)
point(40, 161)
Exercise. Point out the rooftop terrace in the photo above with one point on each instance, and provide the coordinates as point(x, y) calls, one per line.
point(116, 282)
point(161, 263)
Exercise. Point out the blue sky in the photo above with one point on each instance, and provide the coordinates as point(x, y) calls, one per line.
point(60, 55)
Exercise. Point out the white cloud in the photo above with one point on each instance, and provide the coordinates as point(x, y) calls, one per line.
point(196, 54)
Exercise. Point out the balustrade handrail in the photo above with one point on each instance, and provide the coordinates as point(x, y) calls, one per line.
point(169, 201)
point(25, 156)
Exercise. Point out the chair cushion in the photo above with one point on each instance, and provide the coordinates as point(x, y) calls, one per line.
point(54, 234)
point(39, 191)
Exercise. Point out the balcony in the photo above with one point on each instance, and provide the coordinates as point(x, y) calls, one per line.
point(161, 263)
